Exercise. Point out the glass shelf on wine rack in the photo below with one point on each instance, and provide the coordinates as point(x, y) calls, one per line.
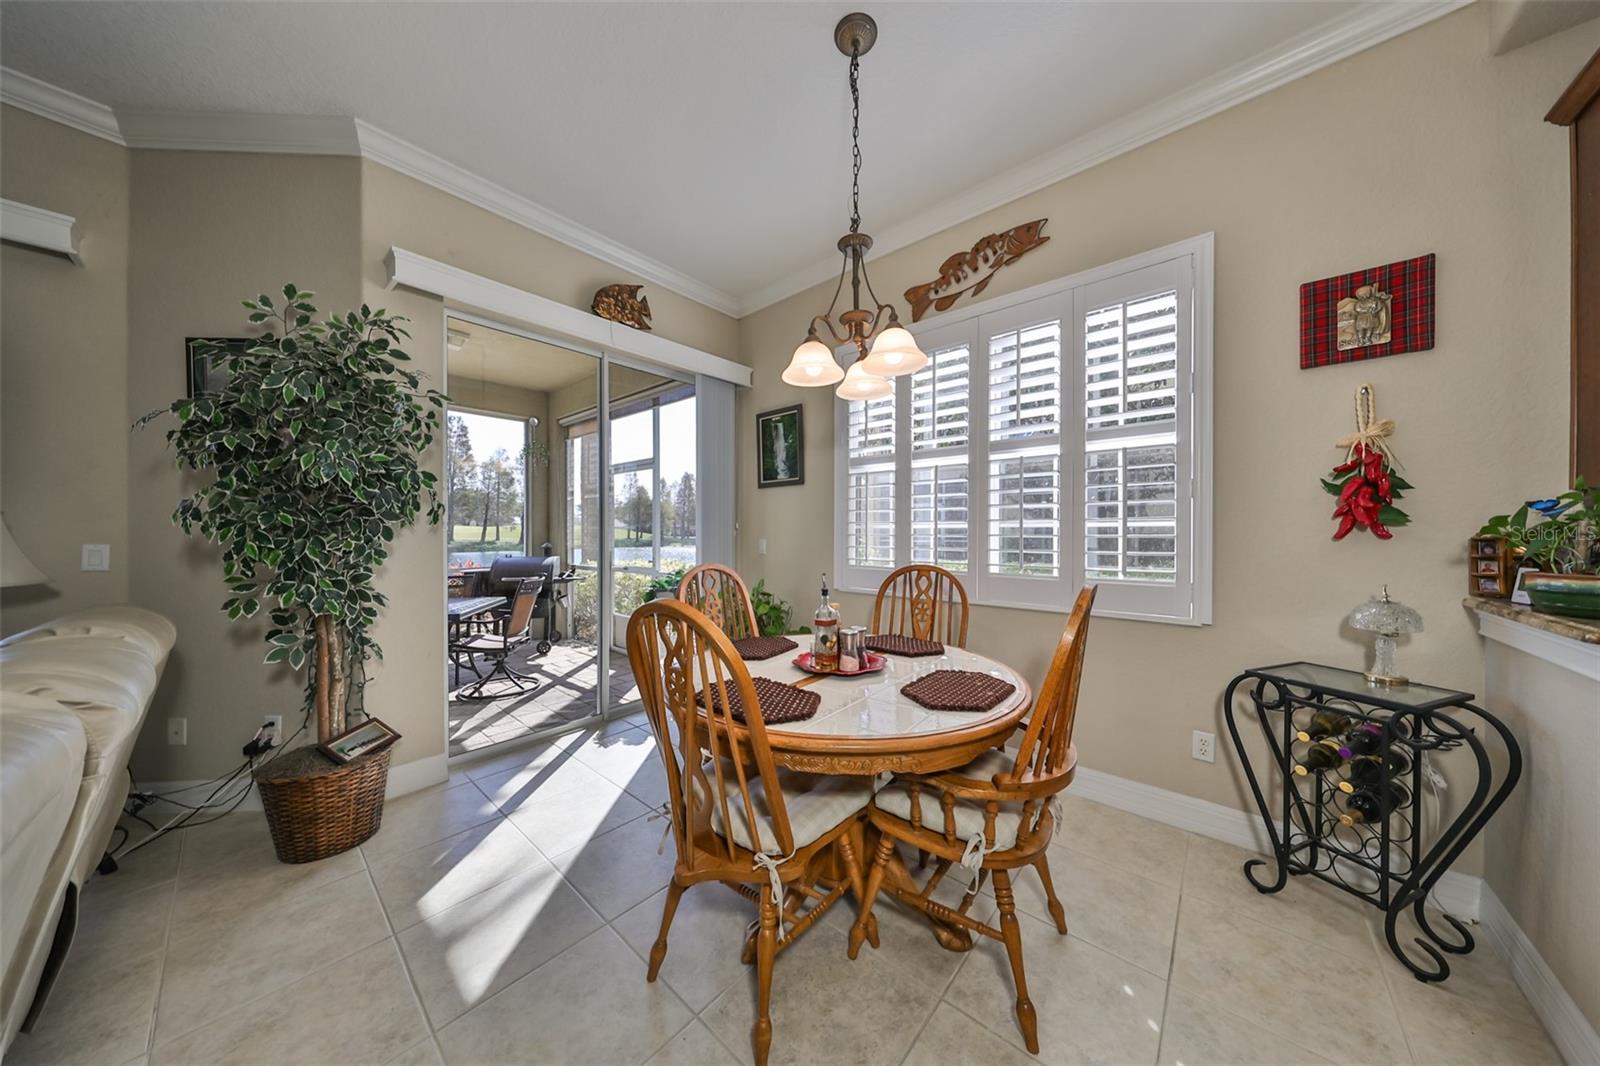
point(1352, 812)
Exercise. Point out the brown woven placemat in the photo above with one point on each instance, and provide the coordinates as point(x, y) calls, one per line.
point(958, 690)
point(911, 647)
point(751, 649)
point(779, 702)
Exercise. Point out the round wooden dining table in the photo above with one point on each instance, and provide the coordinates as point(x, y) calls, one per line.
point(865, 725)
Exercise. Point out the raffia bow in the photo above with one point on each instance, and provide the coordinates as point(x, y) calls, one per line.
point(1371, 432)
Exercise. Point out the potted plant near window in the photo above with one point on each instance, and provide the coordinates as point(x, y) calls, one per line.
point(1561, 536)
point(313, 441)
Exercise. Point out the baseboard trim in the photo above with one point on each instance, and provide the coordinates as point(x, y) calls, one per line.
point(1457, 893)
point(1571, 1031)
point(417, 774)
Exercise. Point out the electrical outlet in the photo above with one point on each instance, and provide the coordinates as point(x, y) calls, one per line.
point(762, 546)
point(177, 731)
point(1203, 746)
point(274, 725)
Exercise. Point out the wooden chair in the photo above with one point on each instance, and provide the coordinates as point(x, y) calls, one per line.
point(922, 601)
point(720, 594)
point(992, 816)
point(498, 646)
point(735, 818)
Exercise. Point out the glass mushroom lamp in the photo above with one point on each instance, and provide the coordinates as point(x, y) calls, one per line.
point(884, 348)
point(1387, 619)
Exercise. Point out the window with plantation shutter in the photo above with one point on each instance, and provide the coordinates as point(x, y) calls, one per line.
point(1059, 436)
point(941, 400)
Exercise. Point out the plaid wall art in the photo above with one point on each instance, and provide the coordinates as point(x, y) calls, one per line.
point(1367, 314)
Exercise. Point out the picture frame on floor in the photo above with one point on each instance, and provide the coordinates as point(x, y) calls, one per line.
point(370, 736)
point(780, 447)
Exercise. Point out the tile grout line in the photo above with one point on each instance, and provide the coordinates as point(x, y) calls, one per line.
point(1172, 950)
point(405, 964)
point(166, 947)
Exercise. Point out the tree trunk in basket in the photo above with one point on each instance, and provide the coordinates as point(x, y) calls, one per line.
point(324, 714)
point(337, 683)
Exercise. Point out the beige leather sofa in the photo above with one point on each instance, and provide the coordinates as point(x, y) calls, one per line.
point(73, 694)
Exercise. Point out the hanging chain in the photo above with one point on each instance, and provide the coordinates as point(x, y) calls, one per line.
point(855, 138)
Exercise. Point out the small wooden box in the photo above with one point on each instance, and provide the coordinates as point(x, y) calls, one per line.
point(1491, 571)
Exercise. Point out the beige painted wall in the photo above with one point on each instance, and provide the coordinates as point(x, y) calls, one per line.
point(397, 210)
point(63, 332)
point(495, 398)
point(1543, 848)
point(1328, 174)
point(208, 230)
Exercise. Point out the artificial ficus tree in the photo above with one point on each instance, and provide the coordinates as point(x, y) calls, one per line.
point(313, 441)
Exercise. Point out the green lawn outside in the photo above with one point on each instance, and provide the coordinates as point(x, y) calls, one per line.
point(465, 538)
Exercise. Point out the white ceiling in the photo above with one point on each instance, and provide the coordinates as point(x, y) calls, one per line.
point(712, 138)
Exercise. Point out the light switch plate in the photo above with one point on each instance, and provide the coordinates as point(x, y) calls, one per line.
point(96, 557)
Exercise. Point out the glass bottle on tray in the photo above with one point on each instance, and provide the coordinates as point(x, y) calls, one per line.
point(825, 633)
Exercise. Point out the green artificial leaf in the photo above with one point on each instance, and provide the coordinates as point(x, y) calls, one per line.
point(1391, 515)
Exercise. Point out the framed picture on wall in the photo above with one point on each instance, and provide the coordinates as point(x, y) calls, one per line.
point(205, 372)
point(780, 446)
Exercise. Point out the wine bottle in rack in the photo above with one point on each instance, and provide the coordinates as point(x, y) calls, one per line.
point(1368, 769)
point(1323, 755)
point(1323, 723)
point(1369, 803)
point(1364, 739)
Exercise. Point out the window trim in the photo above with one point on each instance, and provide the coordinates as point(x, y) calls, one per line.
point(1200, 250)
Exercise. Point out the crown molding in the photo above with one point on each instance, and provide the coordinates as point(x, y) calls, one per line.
point(68, 108)
point(1304, 54)
point(408, 159)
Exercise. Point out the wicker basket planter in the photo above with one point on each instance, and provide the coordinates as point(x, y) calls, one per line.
point(316, 807)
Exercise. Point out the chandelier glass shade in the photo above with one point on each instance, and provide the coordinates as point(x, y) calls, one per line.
point(883, 348)
point(861, 384)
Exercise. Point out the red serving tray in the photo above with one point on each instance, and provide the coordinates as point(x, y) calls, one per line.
point(874, 663)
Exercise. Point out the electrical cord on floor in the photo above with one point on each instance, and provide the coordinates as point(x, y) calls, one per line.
point(183, 821)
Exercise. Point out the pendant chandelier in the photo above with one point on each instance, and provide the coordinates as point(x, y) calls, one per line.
point(884, 349)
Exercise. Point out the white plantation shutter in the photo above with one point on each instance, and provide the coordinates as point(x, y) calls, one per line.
point(869, 526)
point(1134, 340)
point(941, 402)
point(1057, 437)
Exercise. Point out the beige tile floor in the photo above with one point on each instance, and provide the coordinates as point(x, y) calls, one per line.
point(505, 916)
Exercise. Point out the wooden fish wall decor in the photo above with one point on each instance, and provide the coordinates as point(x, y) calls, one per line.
point(622, 303)
point(970, 272)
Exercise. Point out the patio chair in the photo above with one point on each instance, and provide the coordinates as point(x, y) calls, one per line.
point(500, 646)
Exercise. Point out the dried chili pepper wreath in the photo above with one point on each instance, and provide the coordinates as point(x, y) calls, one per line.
point(1367, 483)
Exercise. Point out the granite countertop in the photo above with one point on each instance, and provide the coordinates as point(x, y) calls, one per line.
point(1580, 629)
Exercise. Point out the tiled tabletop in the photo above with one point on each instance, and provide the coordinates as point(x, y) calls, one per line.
point(872, 706)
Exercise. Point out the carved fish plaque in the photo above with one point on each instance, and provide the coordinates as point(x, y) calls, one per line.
point(622, 303)
point(970, 272)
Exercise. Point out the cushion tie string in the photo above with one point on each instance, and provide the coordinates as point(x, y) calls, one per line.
point(663, 811)
point(770, 864)
point(972, 860)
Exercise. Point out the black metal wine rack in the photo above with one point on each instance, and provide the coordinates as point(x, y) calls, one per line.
point(1387, 862)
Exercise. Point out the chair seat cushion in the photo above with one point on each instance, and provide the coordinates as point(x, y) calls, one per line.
point(895, 799)
point(816, 803)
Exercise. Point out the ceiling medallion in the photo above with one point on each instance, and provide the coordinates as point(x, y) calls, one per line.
point(884, 349)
